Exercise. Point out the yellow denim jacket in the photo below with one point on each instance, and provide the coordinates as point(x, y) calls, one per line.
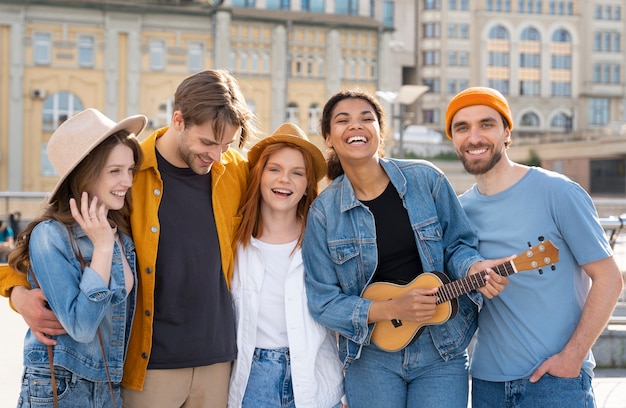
point(229, 179)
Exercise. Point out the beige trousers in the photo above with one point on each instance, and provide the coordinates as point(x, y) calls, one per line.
point(198, 387)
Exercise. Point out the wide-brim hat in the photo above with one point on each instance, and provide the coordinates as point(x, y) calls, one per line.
point(290, 133)
point(79, 135)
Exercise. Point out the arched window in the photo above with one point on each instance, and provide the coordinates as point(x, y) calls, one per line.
point(293, 113)
point(314, 117)
point(498, 33)
point(562, 36)
point(530, 34)
point(57, 108)
point(560, 122)
point(530, 119)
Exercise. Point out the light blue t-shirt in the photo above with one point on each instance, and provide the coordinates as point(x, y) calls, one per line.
point(535, 315)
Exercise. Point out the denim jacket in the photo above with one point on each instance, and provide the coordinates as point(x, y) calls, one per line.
point(340, 254)
point(82, 302)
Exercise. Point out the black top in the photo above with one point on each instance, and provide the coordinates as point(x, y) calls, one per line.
point(398, 257)
point(194, 323)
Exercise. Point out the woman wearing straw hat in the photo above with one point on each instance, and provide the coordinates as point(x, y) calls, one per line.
point(285, 358)
point(80, 253)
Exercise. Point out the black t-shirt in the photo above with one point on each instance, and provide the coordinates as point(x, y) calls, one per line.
point(398, 257)
point(194, 323)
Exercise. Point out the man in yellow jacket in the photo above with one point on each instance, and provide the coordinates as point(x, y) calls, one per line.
point(184, 219)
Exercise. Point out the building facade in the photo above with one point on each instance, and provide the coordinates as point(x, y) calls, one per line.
point(59, 57)
point(560, 64)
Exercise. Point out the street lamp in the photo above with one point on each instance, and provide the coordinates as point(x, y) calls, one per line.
point(406, 95)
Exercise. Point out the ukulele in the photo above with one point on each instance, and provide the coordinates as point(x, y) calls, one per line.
point(394, 335)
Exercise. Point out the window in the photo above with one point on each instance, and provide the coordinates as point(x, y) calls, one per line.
point(431, 57)
point(277, 4)
point(194, 57)
point(57, 108)
point(432, 30)
point(562, 89)
point(347, 7)
point(293, 114)
point(452, 90)
point(388, 13)
point(42, 52)
point(431, 116)
point(530, 34)
point(463, 30)
point(501, 85)
point(530, 60)
point(560, 61)
point(433, 85)
point(432, 4)
point(464, 59)
point(315, 112)
point(314, 6)
point(243, 3)
point(499, 59)
point(498, 33)
point(157, 55)
point(86, 51)
point(608, 176)
point(560, 121)
point(529, 88)
point(599, 111)
point(530, 119)
point(561, 36)
point(452, 30)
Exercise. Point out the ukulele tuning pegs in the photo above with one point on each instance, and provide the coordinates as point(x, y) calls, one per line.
point(540, 271)
point(553, 267)
point(529, 245)
point(540, 238)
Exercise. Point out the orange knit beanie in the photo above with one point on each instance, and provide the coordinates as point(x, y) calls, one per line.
point(478, 96)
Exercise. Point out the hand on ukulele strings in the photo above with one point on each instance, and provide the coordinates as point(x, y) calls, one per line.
point(495, 282)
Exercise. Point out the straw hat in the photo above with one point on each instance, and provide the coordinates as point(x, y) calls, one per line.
point(290, 133)
point(79, 135)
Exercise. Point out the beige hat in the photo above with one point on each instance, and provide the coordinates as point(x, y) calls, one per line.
point(290, 133)
point(79, 135)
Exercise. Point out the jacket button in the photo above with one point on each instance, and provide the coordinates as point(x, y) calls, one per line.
point(144, 355)
point(148, 271)
point(153, 229)
point(147, 313)
point(157, 192)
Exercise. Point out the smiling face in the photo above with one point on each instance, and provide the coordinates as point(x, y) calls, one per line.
point(283, 181)
point(479, 137)
point(115, 178)
point(354, 130)
point(197, 146)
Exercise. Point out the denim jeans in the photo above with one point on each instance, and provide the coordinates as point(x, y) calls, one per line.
point(269, 384)
point(549, 391)
point(72, 391)
point(416, 376)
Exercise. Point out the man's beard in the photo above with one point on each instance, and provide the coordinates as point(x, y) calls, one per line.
point(476, 168)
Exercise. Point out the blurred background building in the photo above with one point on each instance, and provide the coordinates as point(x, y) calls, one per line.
point(560, 63)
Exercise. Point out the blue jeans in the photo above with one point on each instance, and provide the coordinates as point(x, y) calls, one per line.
point(72, 391)
point(549, 391)
point(269, 384)
point(416, 376)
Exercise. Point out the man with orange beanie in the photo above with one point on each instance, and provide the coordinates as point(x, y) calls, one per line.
point(534, 340)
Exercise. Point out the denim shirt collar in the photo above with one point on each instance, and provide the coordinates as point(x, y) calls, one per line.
point(348, 197)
